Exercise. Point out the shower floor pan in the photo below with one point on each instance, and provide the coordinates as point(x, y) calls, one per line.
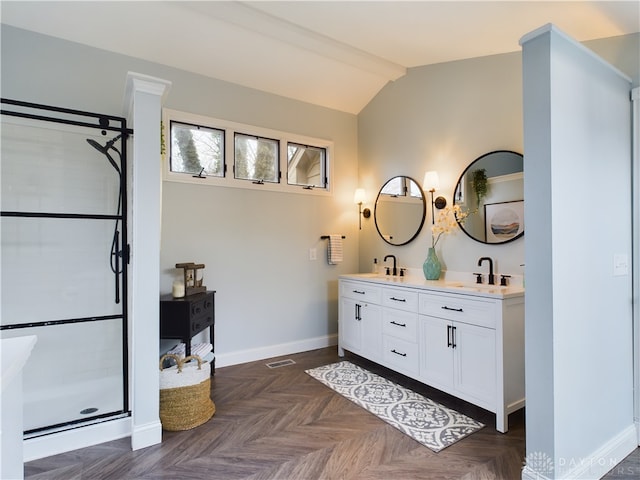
point(83, 400)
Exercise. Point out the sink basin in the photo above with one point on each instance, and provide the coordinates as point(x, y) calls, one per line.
point(478, 286)
point(382, 276)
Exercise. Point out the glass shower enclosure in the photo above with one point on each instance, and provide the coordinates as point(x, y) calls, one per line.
point(64, 257)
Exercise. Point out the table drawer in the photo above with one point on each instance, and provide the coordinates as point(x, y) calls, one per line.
point(202, 307)
point(459, 308)
point(400, 354)
point(360, 291)
point(201, 321)
point(402, 299)
point(400, 324)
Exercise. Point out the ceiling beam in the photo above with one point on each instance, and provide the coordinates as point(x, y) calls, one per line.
point(245, 16)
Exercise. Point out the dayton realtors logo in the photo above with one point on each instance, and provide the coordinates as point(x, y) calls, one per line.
point(539, 463)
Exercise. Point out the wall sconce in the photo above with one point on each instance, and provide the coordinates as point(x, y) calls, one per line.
point(359, 198)
point(430, 184)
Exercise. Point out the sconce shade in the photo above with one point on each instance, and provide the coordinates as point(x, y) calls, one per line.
point(431, 181)
point(359, 196)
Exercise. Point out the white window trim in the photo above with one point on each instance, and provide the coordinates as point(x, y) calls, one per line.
point(230, 128)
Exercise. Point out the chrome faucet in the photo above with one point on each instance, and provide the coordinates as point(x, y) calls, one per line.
point(395, 270)
point(492, 279)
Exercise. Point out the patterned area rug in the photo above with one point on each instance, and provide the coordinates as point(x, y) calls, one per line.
point(431, 424)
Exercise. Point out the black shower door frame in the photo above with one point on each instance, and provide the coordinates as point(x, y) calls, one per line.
point(104, 123)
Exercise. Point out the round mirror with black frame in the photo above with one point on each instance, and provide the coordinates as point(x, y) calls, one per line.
point(400, 210)
point(492, 188)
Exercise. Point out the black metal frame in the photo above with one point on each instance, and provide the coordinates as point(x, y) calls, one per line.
point(102, 122)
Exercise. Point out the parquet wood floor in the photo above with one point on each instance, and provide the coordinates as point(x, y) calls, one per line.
point(281, 424)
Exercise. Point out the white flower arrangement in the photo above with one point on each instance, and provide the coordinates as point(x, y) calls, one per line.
point(446, 221)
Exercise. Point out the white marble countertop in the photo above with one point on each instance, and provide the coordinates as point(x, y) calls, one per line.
point(448, 283)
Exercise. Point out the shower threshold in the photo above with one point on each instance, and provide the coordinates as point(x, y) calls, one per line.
point(75, 425)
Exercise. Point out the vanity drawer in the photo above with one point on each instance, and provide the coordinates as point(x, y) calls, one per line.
point(360, 291)
point(459, 308)
point(401, 299)
point(400, 354)
point(400, 324)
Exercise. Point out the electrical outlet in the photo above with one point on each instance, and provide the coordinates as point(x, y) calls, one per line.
point(313, 254)
point(620, 265)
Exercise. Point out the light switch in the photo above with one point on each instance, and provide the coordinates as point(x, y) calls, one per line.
point(313, 254)
point(620, 265)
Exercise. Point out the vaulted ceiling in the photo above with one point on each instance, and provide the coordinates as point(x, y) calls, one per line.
point(337, 54)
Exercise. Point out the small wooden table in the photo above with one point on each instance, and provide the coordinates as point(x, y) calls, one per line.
point(183, 318)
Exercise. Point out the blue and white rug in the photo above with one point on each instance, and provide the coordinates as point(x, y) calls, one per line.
point(433, 425)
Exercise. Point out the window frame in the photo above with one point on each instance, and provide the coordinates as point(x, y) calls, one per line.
point(323, 167)
point(197, 127)
point(230, 129)
point(256, 180)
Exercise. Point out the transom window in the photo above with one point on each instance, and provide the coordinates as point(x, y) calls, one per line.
point(306, 165)
point(256, 159)
point(200, 150)
point(197, 149)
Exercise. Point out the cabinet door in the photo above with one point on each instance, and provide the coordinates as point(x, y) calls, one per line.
point(349, 331)
point(360, 328)
point(371, 331)
point(436, 366)
point(475, 363)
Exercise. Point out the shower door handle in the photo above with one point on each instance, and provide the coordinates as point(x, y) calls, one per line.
point(117, 265)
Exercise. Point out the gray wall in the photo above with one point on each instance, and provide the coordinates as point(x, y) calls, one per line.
point(255, 245)
point(442, 117)
point(270, 297)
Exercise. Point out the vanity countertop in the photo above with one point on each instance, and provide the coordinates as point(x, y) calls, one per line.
point(443, 285)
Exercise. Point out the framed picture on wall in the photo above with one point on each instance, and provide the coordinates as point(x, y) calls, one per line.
point(504, 221)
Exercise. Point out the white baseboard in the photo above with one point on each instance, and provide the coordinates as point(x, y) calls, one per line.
point(602, 460)
point(65, 441)
point(589, 467)
point(244, 356)
point(143, 436)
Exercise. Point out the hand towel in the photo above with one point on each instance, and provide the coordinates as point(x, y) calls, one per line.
point(334, 250)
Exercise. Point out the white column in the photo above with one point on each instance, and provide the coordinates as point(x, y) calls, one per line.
point(635, 97)
point(577, 150)
point(143, 106)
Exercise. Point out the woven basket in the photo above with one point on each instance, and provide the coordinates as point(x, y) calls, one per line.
point(185, 394)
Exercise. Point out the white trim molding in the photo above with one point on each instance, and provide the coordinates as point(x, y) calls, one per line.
point(635, 268)
point(254, 354)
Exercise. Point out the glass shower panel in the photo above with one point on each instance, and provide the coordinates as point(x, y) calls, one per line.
point(53, 269)
point(75, 371)
point(63, 278)
point(52, 168)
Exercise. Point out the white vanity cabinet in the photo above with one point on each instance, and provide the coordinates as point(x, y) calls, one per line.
point(400, 330)
point(459, 354)
point(468, 342)
point(360, 325)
